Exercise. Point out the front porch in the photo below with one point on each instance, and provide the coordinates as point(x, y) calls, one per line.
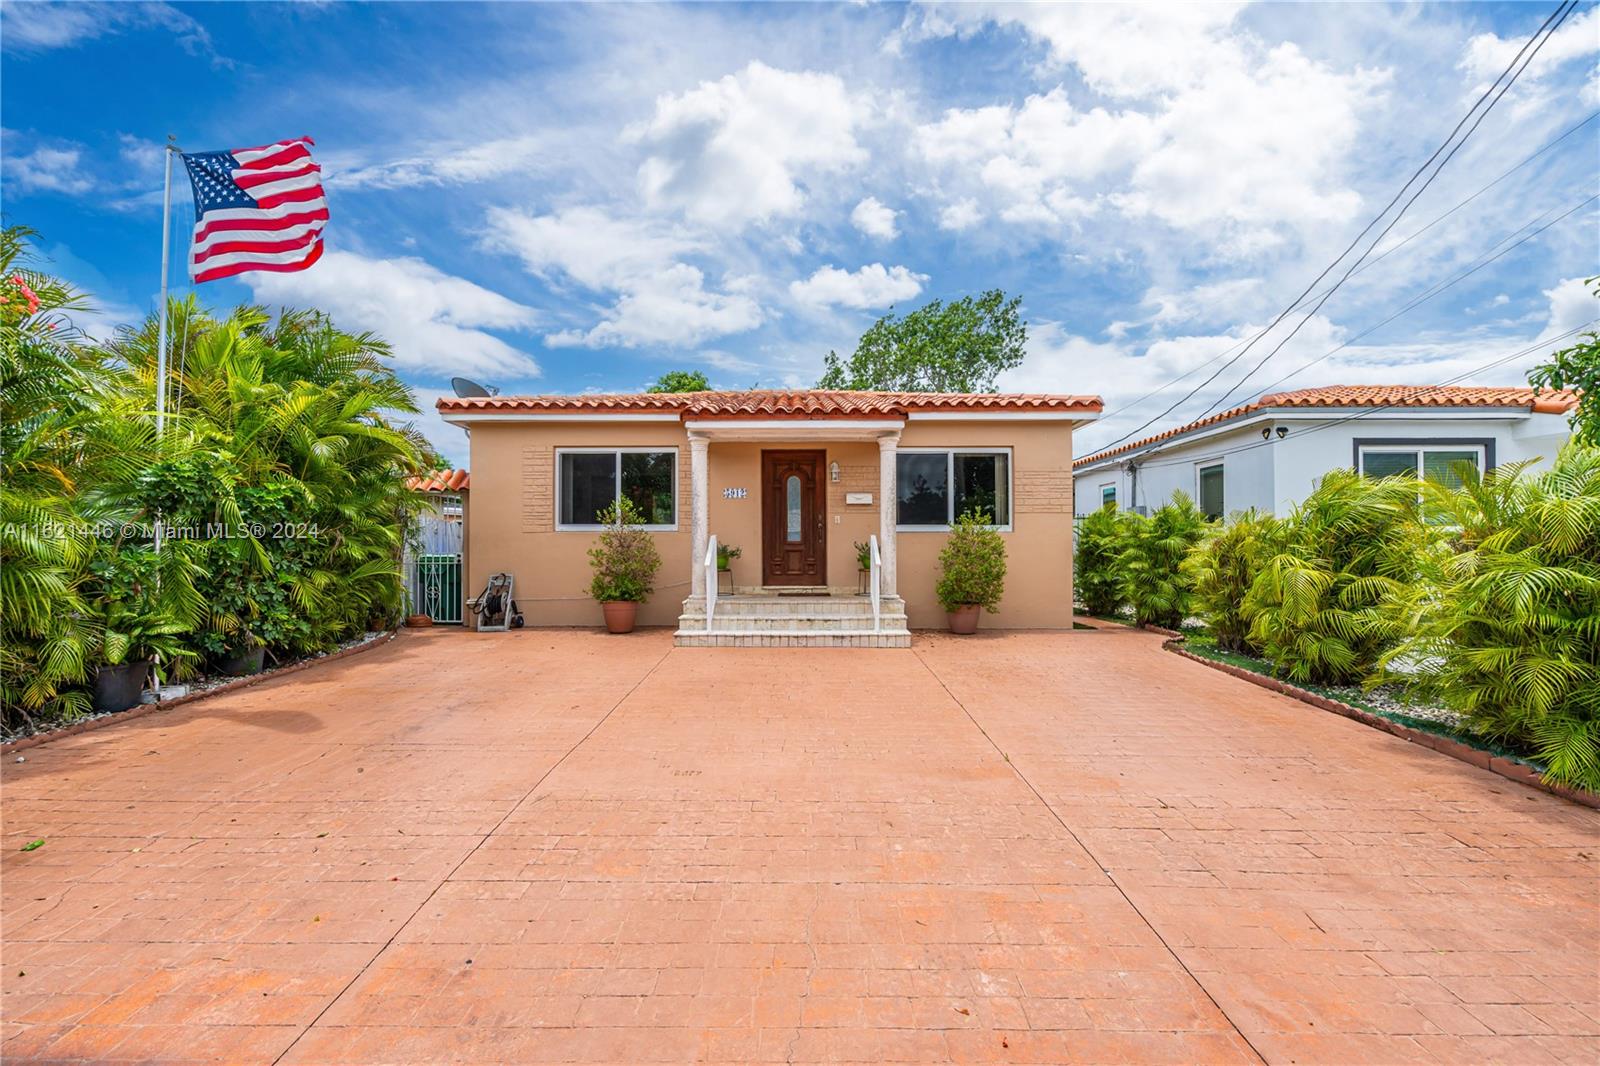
point(797, 499)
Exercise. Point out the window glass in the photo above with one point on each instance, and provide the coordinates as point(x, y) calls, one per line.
point(647, 482)
point(982, 483)
point(1440, 466)
point(922, 479)
point(1211, 491)
point(1108, 494)
point(791, 489)
point(588, 486)
point(1389, 464)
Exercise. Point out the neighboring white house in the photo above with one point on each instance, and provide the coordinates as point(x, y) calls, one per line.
point(1271, 454)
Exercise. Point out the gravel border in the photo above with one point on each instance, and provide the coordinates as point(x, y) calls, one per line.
point(198, 691)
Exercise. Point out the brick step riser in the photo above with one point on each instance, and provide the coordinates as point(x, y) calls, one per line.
point(793, 640)
point(688, 623)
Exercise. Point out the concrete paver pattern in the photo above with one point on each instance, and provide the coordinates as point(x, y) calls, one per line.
point(558, 846)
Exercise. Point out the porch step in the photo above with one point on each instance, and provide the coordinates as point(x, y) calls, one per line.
point(765, 620)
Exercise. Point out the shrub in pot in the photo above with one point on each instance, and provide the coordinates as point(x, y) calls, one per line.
point(863, 564)
point(625, 562)
point(143, 605)
point(726, 553)
point(972, 570)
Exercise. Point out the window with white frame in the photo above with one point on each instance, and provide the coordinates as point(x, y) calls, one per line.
point(937, 486)
point(1108, 495)
point(588, 480)
point(1208, 489)
point(1433, 462)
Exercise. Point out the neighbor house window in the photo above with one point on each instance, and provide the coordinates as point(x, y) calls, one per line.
point(1436, 463)
point(588, 480)
point(1210, 490)
point(1108, 495)
point(937, 487)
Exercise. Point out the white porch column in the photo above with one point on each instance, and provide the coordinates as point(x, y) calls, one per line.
point(699, 506)
point(888, 501)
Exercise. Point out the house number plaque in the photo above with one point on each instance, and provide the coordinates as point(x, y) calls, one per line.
point(735, 494)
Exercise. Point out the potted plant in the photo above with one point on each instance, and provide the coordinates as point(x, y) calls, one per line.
point(625, 562)
point(131, 641)
point(863, 564)
point(142, 602)
point(972, 569)
point(726, 553)
point(231, 641)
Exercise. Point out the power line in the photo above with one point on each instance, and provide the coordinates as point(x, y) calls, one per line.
point(1514, 71)
point(1559, 17)
point(1435, 289)
point(1375, 260)
point(1421, 390)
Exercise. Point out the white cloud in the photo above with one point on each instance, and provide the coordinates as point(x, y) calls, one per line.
point(48, 169)
point(480, 162)
point(1059, 362)
point(873, 285)
point(660, 299)
point(741, 149)
point(436, 322)
point(1572, 304)
point(875, 219)
point(960, 215)
point(1488, 54)
point(37, 27)
point(1206, 129)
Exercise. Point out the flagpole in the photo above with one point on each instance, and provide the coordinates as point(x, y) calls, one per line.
point(161, 331)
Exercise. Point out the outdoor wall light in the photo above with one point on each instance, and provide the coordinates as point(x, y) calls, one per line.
point(1283, 431)
point(1266, 432)
point(833, 471)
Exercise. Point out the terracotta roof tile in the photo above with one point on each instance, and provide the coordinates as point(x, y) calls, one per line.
point(1548, 402)
point(441, 481)
point(776, 403)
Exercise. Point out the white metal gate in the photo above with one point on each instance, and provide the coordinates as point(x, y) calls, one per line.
point(433, 564)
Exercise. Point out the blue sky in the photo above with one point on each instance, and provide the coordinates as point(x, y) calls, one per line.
point(565, 198)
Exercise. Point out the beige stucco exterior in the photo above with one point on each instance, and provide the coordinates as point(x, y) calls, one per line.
point(511, 523)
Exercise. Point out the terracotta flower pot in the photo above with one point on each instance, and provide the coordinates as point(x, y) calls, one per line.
point(419, 621)
point(620, 615)
point(964, 619)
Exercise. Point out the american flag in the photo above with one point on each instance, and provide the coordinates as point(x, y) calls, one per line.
point(255, 209)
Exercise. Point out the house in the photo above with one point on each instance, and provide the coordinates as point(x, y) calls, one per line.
point(1271, 454)
point(794, 479)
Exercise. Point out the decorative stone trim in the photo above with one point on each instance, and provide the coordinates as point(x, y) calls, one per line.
point(23, 743)
point(1507, 768)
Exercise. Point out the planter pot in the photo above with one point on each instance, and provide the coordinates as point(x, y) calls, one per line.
point(418, 621)
point(620, 615)
point(964, 619)
point(244, 663)
point(116, 688)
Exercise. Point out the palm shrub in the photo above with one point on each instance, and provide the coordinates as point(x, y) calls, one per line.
point(624, 557)
point(1100, 540)
point(1317, 608)
point(1149, 562)
point(972, 564)
point(1220, 570)
point(1505, 624)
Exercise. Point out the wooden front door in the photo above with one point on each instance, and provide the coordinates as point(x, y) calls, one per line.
point(794, 519)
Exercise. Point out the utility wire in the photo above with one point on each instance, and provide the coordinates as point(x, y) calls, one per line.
point(1434, 290)
point(1420, 190)
point(1421, 390)
point(1513, 71)
point(1375, 260)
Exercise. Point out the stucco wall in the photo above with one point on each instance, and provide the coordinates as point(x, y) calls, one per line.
point(1277, 476)
point(511, 517)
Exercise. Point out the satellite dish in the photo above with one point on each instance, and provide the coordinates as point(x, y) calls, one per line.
point(467, 389)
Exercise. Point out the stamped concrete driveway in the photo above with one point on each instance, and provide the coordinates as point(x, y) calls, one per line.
point(561, 846)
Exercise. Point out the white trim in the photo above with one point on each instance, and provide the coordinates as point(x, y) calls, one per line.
point(1318, 414)
point(950, 482)
point(619, 452)
point(461, 418)
point(1004, 416)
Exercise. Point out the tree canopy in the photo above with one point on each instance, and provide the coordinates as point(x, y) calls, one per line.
point(962, 346)
point(1577, 367)
point(680, 381)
